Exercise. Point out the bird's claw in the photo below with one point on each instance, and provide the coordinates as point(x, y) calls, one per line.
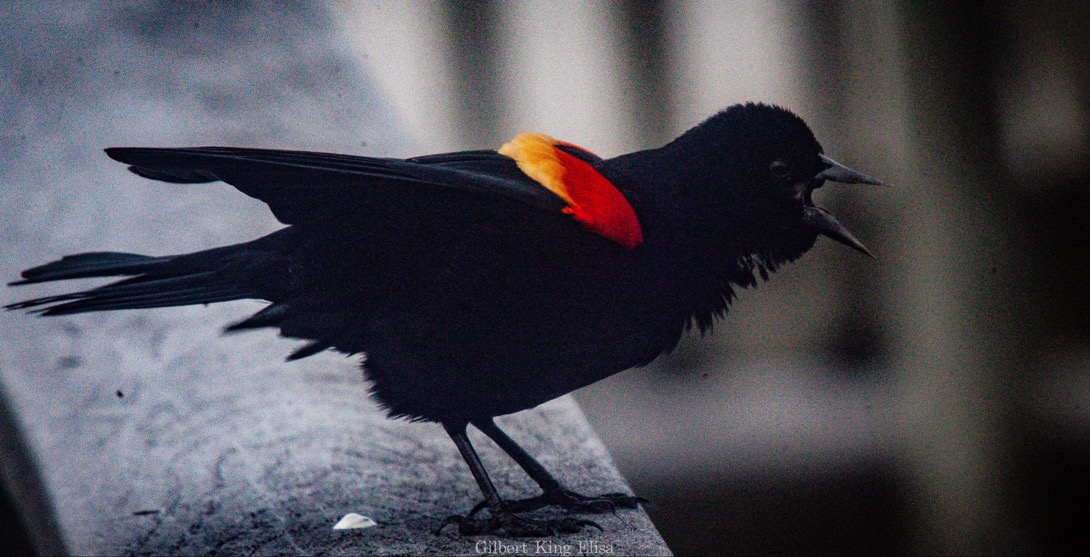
point(608, 502)
point(516, 526)
point(570, 501)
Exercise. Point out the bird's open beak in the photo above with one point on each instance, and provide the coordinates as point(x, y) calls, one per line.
point(821, 221)
point(840, 173)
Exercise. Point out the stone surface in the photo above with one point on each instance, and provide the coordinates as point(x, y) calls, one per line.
point(152, 431)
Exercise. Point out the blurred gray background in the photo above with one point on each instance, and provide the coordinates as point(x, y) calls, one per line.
point(934, 400)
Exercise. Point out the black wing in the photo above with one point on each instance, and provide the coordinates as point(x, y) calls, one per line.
point(302, 187)
point(323, 273)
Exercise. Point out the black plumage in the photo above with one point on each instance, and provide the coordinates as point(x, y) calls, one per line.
point(469, 290)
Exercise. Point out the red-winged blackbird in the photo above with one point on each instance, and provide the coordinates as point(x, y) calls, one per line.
point(481, 283)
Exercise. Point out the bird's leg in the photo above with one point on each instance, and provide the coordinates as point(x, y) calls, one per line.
point(502, 516)
point(554, 492)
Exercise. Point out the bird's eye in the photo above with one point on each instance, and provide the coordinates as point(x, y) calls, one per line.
point(779, 169)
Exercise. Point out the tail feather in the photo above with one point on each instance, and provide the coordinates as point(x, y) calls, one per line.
point(86, 265)
point(96, 300)
point(199, 278)
point(309, 349)
point(271, 316)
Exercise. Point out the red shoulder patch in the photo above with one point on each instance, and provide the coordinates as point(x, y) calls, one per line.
point(598, 204)
point(592, 200)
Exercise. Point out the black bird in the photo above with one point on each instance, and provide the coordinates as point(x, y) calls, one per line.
point(482, 283)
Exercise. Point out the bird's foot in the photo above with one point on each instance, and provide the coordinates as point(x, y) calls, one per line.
point(572, 502)
point(515, 526)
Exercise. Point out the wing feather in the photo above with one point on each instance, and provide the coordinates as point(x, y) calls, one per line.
point(300, 187)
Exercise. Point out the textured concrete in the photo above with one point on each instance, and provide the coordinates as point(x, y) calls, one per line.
point(153, 433)
point(164, 437)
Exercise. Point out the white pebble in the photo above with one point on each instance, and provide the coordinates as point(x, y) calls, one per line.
point(353, 520)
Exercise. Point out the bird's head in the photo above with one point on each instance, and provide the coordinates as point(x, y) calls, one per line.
point(754, 169)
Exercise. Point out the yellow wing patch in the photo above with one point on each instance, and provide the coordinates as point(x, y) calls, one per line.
point(536, 157)
point(592, 200)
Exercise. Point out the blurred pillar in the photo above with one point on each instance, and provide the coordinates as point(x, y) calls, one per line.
point(951, 298)
point(563, 74)
point(411, 47)
point(474, 31)
point(647, 72)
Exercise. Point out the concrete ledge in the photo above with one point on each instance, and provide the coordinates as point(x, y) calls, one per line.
point(196, 443)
